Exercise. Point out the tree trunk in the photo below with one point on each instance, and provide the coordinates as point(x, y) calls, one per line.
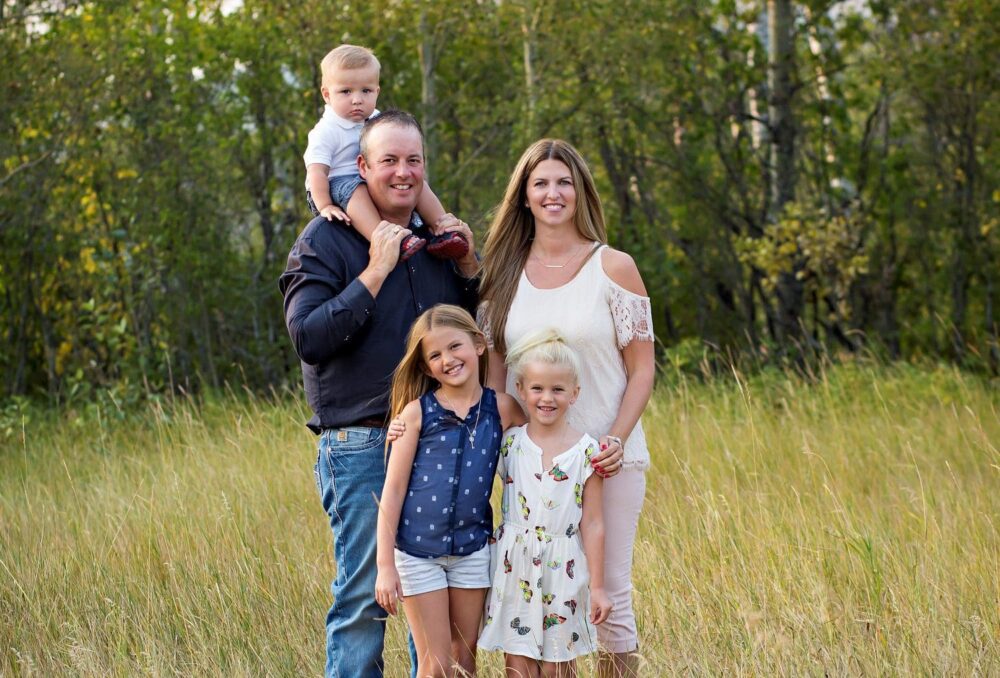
point(780, 68)
point(528, 29)
point(428, 86)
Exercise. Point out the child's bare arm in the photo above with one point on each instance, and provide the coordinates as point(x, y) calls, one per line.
point(397, 478)
point(592, 534)
point(429, 207)
point(319, 189)
point(511, 413)
point(362, 213)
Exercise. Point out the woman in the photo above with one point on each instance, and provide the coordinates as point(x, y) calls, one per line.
point(546, 263)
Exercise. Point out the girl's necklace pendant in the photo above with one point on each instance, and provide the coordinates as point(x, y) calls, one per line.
point(475, 427)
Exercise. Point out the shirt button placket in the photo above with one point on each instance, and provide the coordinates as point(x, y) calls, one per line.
point(457, 484)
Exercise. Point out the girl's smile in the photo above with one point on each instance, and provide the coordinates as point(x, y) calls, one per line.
point(547, 391)
point(451, 357)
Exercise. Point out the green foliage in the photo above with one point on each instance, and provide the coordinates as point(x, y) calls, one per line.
point(151, 175)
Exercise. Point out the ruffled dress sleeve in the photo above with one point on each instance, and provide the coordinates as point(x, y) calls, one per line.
point(590, 448)
point(632, 314)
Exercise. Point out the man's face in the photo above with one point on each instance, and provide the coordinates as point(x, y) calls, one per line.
point(394, 169)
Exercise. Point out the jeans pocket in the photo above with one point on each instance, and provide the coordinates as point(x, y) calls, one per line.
point(353, 439)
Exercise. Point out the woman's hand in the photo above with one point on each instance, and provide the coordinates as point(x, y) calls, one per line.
point(388, 590)
point(600, 606)
point(608, 462)
point(397, 427)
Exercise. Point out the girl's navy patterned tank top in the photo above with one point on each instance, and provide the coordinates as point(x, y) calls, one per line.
point(446, 510)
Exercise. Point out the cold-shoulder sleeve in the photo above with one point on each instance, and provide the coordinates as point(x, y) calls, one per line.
point(632, 314)
point(483, 320)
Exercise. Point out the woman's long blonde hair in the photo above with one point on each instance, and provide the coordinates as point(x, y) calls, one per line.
point(509, 237)
point(411, 380)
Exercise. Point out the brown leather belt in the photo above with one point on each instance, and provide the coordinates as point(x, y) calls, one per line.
point(369, 422)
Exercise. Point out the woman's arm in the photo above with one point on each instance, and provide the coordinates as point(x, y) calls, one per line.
point(592, 534)
point(397, 479)
point(640, 368)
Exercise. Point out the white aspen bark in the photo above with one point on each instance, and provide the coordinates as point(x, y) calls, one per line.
point(428, 86)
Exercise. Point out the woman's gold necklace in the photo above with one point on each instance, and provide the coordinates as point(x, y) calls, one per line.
point(562, 265)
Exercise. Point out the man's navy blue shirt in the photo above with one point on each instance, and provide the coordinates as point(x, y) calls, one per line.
point(350, 342)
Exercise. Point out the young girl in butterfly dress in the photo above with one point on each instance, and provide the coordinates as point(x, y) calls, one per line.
point(435, 520)
point(548, 579)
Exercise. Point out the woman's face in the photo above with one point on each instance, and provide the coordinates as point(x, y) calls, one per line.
point(551, 193)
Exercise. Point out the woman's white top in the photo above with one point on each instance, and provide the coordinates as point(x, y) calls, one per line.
point(598, 318)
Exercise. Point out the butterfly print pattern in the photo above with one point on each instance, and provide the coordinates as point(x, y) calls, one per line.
point(540, 580)
point(551, 620)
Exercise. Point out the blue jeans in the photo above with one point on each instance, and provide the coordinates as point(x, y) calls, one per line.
point(350, 472)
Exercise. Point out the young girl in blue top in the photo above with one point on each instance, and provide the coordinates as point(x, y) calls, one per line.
point(435, 519)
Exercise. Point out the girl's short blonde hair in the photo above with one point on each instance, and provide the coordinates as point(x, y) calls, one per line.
point(546, 346)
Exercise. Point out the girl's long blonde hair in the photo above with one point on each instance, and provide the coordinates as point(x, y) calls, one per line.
point(509, 237)
point(411, 380)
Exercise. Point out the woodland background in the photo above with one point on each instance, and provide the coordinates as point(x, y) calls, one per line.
point(810, 190)
point(793, 178)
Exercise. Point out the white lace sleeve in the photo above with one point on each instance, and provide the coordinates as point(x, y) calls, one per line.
point(632, 314)
point(483, 320)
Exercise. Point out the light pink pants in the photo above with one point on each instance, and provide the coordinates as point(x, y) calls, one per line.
point(623, 497)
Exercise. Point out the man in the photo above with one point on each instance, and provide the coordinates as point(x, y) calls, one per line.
point(348, 307)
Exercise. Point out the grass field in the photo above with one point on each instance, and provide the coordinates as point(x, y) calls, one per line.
point(848, 526)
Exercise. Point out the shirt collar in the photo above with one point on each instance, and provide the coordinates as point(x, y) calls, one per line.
point(344, 123)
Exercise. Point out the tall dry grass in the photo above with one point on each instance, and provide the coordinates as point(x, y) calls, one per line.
point(847, 526)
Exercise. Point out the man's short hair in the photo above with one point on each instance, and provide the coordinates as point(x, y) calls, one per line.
point(390, 117)
point(348, 57)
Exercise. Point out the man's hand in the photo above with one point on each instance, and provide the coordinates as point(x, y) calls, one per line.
point(467, 265)
point(383, 255)
point(331, 212)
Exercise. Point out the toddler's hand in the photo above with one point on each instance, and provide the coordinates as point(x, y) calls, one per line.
point(388, 590)
point(600, 606)
point(397, 427)
point(332, 212)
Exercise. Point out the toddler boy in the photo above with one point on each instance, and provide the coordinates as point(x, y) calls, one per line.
point(334, 189)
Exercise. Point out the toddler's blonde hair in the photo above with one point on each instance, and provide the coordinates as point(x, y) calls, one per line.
point(348, 57)
point(543, 346)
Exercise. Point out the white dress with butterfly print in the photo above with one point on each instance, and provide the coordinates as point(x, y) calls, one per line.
point(540, 600)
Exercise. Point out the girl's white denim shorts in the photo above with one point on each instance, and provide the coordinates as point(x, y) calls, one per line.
point(423, 575)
